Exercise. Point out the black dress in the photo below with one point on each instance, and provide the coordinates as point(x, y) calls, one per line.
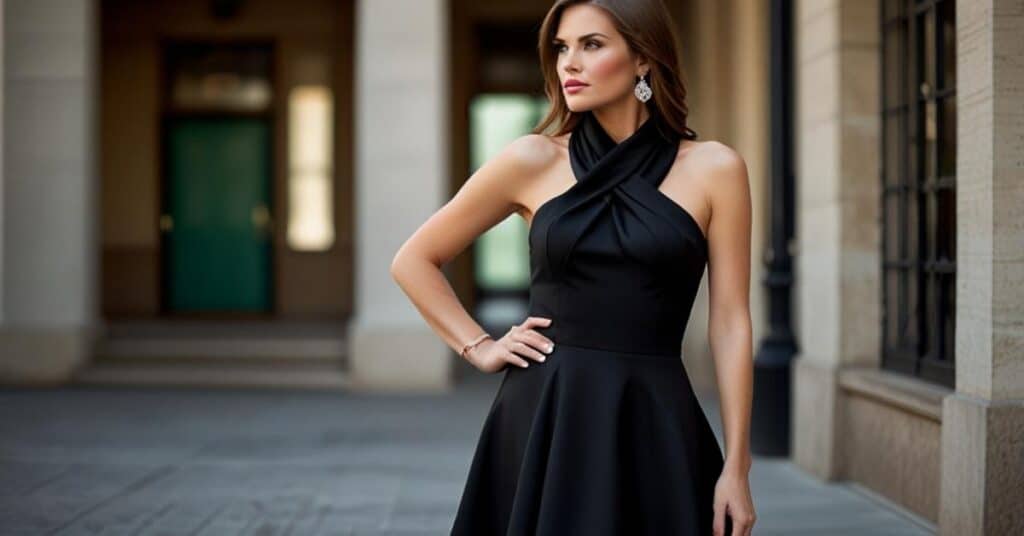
point(606, 436)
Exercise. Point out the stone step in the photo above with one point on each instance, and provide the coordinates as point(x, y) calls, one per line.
point(229, 353)
point(223, 347)
point(264, 373)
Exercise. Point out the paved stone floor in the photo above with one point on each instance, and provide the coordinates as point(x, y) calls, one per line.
point(224, 462)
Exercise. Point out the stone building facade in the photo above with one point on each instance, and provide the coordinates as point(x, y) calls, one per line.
point(95, 94)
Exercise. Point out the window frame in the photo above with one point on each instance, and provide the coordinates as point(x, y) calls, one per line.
point(918, 246)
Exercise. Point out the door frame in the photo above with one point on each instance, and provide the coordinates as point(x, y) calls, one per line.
point(167, 114)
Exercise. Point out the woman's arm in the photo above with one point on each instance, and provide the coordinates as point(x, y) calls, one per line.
point(729, 330)
point(489, 196)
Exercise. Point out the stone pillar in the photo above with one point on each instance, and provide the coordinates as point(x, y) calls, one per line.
point(3, 51)
point(837, 289)
point(401, 174)
point(49, 246)
point(983, 421)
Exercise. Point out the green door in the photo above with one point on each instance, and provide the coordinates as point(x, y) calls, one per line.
point(216, 215)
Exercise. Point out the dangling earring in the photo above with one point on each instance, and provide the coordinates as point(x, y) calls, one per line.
point(642, 90)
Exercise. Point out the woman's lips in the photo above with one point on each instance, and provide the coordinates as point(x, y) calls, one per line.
point(572, 90)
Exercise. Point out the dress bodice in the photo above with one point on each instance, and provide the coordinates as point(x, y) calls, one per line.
point(614, 262)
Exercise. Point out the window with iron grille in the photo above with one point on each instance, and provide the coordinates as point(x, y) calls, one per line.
point(918, 173)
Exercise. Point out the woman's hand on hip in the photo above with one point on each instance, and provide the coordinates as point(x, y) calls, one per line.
point(521, 340)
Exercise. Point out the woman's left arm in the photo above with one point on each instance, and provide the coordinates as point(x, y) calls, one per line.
point(729, 330)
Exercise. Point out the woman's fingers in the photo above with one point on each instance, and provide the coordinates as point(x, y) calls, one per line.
point(538, 341)
point(511, 357)
point(743, 524)
point(535, 321)
point(522, 348)
point(718, 525)
point(523, 339)
point(533, 337)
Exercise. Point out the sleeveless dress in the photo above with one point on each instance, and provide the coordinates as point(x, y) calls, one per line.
point(606, 435)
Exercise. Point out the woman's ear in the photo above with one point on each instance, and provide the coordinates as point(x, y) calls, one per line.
point(641, 66)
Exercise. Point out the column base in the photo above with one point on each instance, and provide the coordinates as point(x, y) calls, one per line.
point(814, 417)
point(396, 358)
point(982, 464)
point(43, 356)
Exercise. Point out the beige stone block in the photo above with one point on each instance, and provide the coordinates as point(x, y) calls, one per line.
point(990, 200)
point(982, 464)
point(817, 90)
point(819, 229)
point(974, 61)
point(860, 314)
point(861, 223)
point(819, 30)
point(810, 9)
point(818, 168)
point(818, 317)
point(892, 451)
point(398, 358)
point(1005, 449)
point(859, 137)
point(1008, 203)
point(814, 412)
point(859, 81)
point(1007, 363)
point(858, 23)
point(43, 356)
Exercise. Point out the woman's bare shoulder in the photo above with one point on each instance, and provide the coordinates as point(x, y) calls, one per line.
point(721, 174)
point(533, 152)
point(515, 170)
point(708, 154)
point(525, 160)
point(717, 165)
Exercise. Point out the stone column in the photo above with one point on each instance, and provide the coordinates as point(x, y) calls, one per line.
point(401, 174)
point(49, 246)
point(3, 94)
point(837, 290)
point(983, 421)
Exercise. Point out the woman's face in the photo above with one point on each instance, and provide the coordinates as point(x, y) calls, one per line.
point(590, 50)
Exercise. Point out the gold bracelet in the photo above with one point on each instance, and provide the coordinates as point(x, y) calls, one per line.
point(469, 345)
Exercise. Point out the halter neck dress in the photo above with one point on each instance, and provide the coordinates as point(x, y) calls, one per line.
point(606, 436)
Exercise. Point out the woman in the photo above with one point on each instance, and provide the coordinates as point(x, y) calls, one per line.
point(595, 428)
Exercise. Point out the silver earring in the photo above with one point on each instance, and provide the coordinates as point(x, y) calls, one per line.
point(642, 90)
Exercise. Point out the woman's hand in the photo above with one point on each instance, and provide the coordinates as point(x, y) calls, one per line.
point(732, 497)
point(492, 356)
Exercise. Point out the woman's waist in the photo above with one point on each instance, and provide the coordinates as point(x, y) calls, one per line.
point(598, 347)
point(649, 339)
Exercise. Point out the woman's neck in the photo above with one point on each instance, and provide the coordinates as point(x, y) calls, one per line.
point(623, 119)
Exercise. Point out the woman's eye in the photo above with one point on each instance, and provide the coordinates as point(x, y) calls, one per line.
point(560, 47)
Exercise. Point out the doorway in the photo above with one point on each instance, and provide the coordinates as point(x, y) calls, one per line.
point(217, 172)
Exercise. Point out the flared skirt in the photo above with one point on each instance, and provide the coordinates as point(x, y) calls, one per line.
point(592, 442)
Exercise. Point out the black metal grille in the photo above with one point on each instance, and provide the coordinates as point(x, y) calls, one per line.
point(918, 171)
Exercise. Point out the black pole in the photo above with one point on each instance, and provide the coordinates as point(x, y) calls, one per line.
point(770, 426)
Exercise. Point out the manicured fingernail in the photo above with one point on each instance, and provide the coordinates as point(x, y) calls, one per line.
point(551, 348)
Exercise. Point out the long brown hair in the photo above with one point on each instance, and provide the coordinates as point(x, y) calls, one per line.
point(647, 28)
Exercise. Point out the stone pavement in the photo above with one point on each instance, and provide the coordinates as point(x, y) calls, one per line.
point(169, 461)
